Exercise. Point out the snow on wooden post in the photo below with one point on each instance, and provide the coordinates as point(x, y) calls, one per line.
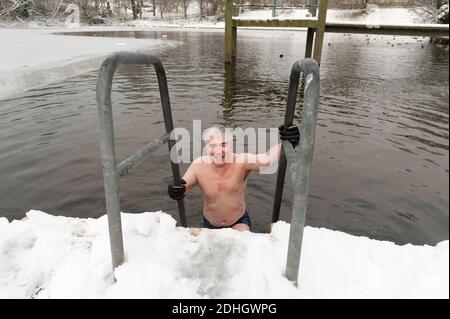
point(310, 33)
point(320, 32)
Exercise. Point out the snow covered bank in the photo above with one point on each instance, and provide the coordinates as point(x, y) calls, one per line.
point(33, 57)
point(45, 256)
point(376, 15)
point(372, 15)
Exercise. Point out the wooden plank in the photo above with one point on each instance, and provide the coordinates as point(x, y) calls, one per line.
point(435, 30)
point(276, 23)
point(320, 33)
point(426, 30)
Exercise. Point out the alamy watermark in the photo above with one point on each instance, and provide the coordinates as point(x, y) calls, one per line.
point(227, 145)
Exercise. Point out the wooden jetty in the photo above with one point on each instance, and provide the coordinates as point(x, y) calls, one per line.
point(316, 26)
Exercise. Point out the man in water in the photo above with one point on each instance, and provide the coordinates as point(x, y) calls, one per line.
point(222, 176)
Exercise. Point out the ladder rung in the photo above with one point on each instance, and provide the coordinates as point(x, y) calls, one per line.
point(126, 166)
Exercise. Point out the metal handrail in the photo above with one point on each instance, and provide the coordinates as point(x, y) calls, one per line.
point(300, 159)
point(111, 171)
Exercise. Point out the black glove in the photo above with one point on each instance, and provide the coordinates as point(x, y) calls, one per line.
point(291, 134)
point(177, 191)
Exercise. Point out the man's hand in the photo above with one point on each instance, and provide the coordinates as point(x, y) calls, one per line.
point(177, 191)
point(291, 134)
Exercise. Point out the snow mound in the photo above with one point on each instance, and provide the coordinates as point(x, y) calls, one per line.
point(45, 256)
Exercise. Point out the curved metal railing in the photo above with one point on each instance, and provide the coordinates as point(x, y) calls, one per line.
point(111, 171)
point(299, 159)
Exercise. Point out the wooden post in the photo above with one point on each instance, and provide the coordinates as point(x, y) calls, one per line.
point(230, 33)
point(318, 44)
point(310, 35)
point(309, 42)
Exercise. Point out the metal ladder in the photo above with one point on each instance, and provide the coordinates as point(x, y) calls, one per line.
point(111, 171)
point(300, 159)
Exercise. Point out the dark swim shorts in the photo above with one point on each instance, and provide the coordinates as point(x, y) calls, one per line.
point(245, 219)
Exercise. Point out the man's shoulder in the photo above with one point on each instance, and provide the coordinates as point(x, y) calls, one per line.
point(201, 160)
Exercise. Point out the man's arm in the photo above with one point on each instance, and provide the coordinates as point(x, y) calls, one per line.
point(190, 176)
point(270, 158)
point(255, 162)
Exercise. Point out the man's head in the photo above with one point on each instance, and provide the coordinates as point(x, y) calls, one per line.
point(218, 145)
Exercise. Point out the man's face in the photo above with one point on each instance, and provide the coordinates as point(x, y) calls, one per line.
point(217, 149)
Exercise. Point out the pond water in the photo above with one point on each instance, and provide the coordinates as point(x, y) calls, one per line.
point(381, 157)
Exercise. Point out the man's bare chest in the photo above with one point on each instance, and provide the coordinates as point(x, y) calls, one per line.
point(214, 183)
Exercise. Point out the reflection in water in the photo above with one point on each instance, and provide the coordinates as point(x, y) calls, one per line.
point(381, 156)
point(229, 92)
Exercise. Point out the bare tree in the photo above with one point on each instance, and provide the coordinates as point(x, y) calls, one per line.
point(184, 6)
point(214, 6)
point(134, 9)
point(164, 6)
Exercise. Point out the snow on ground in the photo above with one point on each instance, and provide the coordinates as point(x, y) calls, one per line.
point(267, 14)
point(33, 57)
point(375, 15)
point(371, 15)
point(46, 256)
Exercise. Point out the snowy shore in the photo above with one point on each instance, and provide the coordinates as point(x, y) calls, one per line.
point(34, 57)
point(46, 256)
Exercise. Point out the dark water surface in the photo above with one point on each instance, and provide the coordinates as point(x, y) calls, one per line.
point(381, 158)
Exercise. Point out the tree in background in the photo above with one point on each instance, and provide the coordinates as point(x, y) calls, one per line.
point(164, 6)
point(442, 14)
point(431, 10)
point(184, 6)
point(134, 9)
point(435, 11)
point(214, 6)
